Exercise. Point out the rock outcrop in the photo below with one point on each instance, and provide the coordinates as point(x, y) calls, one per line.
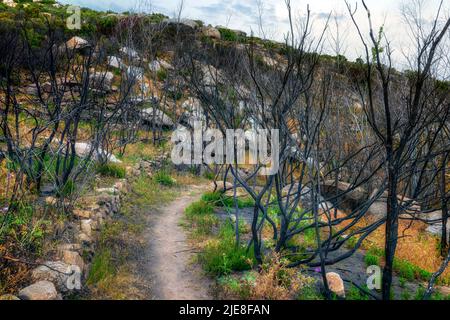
point(76, 43)
point(211, 32)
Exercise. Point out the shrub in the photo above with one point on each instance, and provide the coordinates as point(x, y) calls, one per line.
point(238, 287)
point(163, 178)
point(23, 227)
point(228, 35)
point(276, 281)
point(111, 170)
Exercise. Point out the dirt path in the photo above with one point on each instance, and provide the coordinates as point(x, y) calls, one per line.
point(175, 276)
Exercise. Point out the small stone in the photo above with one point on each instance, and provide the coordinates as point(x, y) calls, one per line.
point(81, 214)
point(154, 66)
point(73, 258)
point(51, 201)
point(336, 284)
point(120, 186)
point(86, 227)
point(41, 290)
point(99, 219)
point(67, 246)
point(106, 190)
point(84, 238)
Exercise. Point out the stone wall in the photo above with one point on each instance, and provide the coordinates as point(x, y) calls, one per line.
point(67, 271)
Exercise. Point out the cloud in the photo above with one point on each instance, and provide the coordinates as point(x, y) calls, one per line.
point(101, 5)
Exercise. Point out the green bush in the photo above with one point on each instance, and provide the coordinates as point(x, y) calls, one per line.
point(223, 256)
point(111, 170)
point(163, 178)
point(23, 227)
point(228, 35)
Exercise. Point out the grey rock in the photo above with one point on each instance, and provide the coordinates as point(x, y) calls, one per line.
point(56, 272)
point(102, 80)
point(157, 117)
point(187, 23)
point(41, 290)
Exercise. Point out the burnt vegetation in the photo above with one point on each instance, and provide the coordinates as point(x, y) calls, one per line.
point(364, 149)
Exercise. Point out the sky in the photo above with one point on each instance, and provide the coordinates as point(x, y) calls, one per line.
point(244, 15)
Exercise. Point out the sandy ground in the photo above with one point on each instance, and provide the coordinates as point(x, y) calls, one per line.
point(175, 276)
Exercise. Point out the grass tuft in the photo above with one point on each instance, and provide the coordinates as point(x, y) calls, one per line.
point(111, 170)
point(221, 256)
point(163, 178)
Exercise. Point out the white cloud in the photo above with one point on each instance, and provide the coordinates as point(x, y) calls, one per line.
point(242, 14)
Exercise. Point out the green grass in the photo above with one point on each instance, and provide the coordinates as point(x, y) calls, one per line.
point(309, 292)
point(200, 215)
point(24, 227)
point(67, 189)
point(163, 178)
point(102, 267)
point(222, 256)
point(404, 269)
point(434, 296)
point(409, 271)
point(355, 294)
point(240, 287)
point(200, 207)
point(110, 276)
point(147, 192)
point(221, 200)
point(371, 259)
point(161, 74)
point(111, 170)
